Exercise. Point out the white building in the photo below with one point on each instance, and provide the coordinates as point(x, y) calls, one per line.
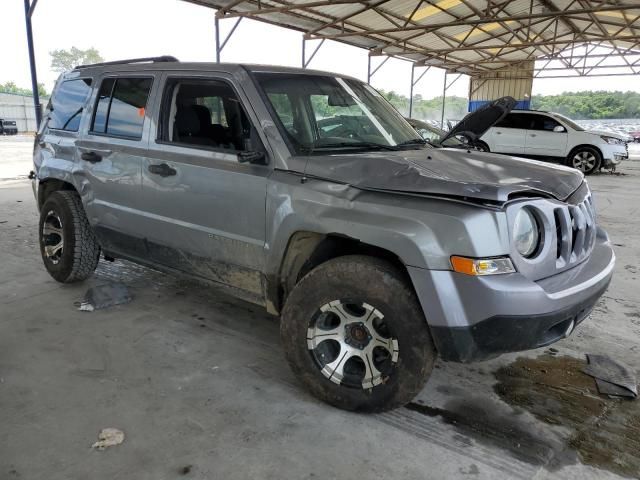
point(20, 108)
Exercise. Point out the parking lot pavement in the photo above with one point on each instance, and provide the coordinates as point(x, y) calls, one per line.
point(198, 383)
point(15, 156)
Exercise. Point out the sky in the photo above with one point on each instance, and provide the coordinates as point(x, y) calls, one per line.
point(139, 28)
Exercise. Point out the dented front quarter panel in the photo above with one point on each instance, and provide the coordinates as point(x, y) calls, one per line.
point(421, 232)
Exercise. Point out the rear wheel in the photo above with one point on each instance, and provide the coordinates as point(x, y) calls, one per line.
point(69, 248)
point(355, 335)
point(585, 159)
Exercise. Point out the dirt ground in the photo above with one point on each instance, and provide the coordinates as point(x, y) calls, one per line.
point(198, 384)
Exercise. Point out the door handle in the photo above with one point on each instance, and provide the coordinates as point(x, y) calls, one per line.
point(91, 157)
point(498, 133)
point(533, 135)
point(163, 170)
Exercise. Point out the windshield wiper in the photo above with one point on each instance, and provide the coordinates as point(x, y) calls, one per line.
point(413, 141)
point(354, 145)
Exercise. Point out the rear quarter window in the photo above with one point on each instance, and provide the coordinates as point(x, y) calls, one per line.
point(67, 104)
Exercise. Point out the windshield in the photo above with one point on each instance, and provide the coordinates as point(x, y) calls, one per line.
point(320, 113)
point(569, 122)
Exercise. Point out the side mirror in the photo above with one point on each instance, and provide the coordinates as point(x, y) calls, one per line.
point(559, 129)
point(252, 156)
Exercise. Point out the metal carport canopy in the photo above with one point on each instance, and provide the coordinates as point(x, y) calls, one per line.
point(475, 37)
point(467, 36)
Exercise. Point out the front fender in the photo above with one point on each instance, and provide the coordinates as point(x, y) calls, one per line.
point(421, 232)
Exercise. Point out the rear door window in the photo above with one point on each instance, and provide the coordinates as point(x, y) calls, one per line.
point(512, 120)
point(65, 109)
point(542, 122)
point(121, 107)
point(515, 120)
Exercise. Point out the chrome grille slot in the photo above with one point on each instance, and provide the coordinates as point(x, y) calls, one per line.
point(565, 241)
point(578, 229)
point(557, 222)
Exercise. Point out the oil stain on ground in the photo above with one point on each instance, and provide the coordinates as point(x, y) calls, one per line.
point(569, 422)
point(605, 432)
point(488, 422)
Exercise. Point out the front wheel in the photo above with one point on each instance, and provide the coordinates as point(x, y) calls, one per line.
point(481, 146)
point(69, 247)
point(585, 159)
point(355, 335)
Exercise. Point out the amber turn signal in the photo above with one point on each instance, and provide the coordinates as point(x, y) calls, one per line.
point(482, 266)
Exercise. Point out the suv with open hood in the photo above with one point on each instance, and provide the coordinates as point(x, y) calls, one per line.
point(466, 133)
point(306, 192)
point(537, 134)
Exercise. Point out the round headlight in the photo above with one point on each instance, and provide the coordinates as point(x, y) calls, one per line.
point(526, 234)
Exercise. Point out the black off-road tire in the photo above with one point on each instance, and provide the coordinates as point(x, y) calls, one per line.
point(383, 286)
point(81, 251)
point(591, 155)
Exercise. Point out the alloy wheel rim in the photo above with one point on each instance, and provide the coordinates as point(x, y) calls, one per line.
point(584, 161)
point(53, 237)
point(351, 344)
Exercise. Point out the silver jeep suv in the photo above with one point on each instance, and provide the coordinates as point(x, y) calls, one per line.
point(307, 193)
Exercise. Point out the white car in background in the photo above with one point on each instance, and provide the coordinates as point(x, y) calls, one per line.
point(537, 134)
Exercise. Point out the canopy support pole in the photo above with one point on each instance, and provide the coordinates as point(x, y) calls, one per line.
point(370, 72)
point(29, 8)
point(444, 94)
point(220, 46)
point(413, 84)
point(305, 62)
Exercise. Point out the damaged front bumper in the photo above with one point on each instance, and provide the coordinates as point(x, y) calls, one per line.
point(476, 318)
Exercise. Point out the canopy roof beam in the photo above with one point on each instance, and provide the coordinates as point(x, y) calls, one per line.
point(475, 21)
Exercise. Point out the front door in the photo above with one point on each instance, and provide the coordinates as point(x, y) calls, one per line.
point(205, 210)
point(546, 137)
point(111, 154)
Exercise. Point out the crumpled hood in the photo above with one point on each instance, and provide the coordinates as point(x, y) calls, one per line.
point(447, 171)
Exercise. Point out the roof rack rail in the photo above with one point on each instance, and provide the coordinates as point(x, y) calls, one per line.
point(163, 58)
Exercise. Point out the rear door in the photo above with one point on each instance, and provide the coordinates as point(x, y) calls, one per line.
point(111, 155)
point(205, 210)
point(542, 140)
point(508, 135)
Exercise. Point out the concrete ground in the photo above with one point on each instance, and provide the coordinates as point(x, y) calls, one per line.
point(198, 383)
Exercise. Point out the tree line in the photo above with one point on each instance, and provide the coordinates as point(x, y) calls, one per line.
point(585, 105)
point(61, 61)
point(588, 105)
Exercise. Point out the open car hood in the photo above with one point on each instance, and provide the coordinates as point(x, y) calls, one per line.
point(447, 172)
point(475, 124)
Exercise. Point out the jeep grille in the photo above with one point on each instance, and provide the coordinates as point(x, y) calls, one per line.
point(575, 227)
